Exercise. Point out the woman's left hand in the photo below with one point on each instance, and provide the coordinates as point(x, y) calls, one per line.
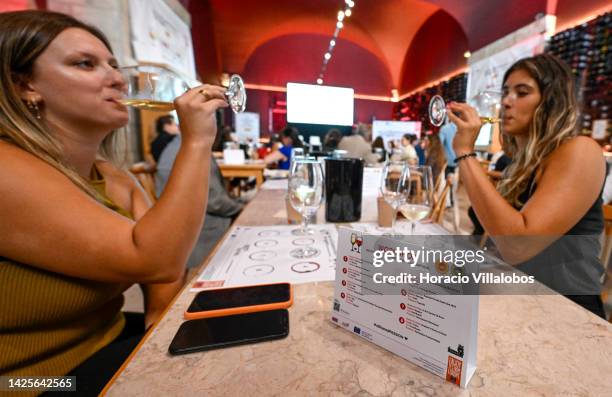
point(468, 125)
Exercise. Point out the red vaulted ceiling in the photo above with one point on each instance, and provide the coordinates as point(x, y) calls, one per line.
point(385, 44)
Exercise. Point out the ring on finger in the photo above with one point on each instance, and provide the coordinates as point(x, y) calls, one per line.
point(205, 94)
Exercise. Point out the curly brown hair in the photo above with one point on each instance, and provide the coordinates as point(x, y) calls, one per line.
point(555, 120)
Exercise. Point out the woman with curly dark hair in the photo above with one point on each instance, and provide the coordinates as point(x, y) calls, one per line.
point(551, 193)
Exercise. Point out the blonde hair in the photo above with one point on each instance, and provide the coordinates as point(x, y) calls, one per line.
point(24, 35)
point(555, 120)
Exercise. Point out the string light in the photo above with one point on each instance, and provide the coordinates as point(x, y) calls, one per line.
point(341, 16)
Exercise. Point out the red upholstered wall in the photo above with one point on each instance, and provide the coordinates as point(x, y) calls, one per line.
point(298, 58)
point(436, 50)
point(208, 62)
point(290, 58)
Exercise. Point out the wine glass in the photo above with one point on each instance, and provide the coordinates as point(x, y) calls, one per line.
point(155, 87)
point(487, 104)
point(395, 185)
point(305, 194)
point(419, 201)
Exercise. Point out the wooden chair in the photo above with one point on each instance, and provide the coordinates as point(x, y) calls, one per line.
point(439, 178)
point(437, 213)
point(145, 173)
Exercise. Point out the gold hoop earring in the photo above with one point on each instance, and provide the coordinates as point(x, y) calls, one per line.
point(33, 105)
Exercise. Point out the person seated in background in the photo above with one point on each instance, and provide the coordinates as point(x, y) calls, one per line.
point(76, 229)
point(551, 192)
point(290, 139)
point(447, 134)
point(420, 146)
point(221, 209)
point(166, 129)
point(497, 168)
point(357, 146)
point(331, 140)
point(409, 153)
point(378, 148)
point(435, 156)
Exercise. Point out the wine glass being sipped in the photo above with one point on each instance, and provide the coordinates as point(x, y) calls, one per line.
point(395, 185)
point(155, 87)
point(419, 202)
point(305, 195)
point(487, 104)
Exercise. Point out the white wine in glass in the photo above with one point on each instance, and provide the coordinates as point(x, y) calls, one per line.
point(154, 87)
point(148, 104)
point(414, 212)
point(419, 202)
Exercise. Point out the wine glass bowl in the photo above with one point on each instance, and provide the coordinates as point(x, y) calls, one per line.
point(419, 202)
point(395, 185)
point(155, 87)
point(305, 195)
point(487, 104)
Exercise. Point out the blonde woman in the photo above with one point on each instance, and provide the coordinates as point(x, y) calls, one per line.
point(77, 230)
point(547, 215)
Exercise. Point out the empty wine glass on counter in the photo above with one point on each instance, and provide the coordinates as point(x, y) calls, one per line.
point(155, 87)
point(419, 201)
point(487, 104)
point(395, 185)
point(305, 195)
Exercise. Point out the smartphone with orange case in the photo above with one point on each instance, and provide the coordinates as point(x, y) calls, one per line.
point(237, 300)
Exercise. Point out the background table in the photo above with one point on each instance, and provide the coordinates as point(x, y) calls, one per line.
point(527, 345)
point(245, 170)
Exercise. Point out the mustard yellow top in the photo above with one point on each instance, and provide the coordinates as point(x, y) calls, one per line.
point(51, 323)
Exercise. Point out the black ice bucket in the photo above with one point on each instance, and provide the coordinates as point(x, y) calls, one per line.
point(343, 185)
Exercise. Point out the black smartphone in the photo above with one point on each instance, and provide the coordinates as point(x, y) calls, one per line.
point(214, 333)
point(238, 300)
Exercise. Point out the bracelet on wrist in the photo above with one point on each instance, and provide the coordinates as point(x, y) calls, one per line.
point(465, 156)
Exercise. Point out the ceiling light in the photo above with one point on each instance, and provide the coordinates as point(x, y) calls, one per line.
point(341, 15)
point(467, 54)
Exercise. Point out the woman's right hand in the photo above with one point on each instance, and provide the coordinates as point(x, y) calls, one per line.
point(468, 125)
point(196, 111)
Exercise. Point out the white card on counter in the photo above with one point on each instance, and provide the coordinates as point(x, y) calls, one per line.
point(252, 255)
point(371, 181)
point(435, 332)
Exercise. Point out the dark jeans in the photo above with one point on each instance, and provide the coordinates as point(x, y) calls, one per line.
point(93, 374)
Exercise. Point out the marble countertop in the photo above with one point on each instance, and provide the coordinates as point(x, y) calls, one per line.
point(527, 345)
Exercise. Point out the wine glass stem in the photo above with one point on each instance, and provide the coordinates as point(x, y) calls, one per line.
point(393, 218)
point(413, 227)
point(305, 222)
